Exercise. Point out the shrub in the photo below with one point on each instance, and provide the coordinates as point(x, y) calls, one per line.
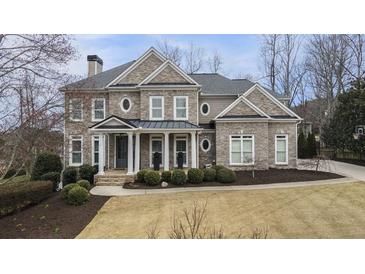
point(218, 167)
point(15, 196)
point(209, 174)
point(84, 183)
point(46, 162)
point(195, 176)
point(54, 177)
point(140, 175)
point(69, 176)
point(166, 176)
point(87, 172)
point(178, 177)
point(21, 172)
point(152, 178)
point(10, 173)
point(77, 195)
point(66, 190)
point(225, 175)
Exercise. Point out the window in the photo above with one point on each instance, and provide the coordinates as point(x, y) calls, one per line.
point(98, 108)
point(125, 104)
point(242, 150)
point(181, 145)
point(204, 109)
point(281, 149)
point(180, 107)
point(156, 108)
point(76, 150)
point(95, 150)
point(76, 109)
point(156, 145)
point(205, 145)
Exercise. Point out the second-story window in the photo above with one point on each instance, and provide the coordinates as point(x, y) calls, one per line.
point(98, 109)
point(156, 108)
point(180, 107)
point(76, 109)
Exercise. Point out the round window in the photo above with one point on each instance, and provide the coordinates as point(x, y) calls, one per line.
point(205, 145)
point(204, 109)
point(125, 104)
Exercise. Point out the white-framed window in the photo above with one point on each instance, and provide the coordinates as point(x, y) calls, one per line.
point(76, 109)
point(181, 145)
point(242, 150)
point(98, 109)
point(156, 145)
point(76, 157)
point(204, 109)
point(281, 149)
point(126, 104)
point(181, 107)
point(156, 107)
point(95, 139)
point(205, 145)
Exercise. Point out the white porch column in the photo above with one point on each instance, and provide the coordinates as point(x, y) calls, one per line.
point(166, 152)
point(130, 153)
point(137, 153)
point(193, 149)
point(101, 154)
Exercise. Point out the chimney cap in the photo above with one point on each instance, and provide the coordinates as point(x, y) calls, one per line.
point(95, 58)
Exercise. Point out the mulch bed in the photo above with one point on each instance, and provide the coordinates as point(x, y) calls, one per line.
point(51, 219)
point(352, 161)
point(270, 176)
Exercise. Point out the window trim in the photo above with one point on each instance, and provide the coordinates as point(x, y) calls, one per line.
point(201, 145)
point(201, 109)
point(93, 119)
point(71, 108)
point(93, 137)
point(241, 151)
point(187, 107)
point(177, 137)
point(162, 106)
point(122, 107)
point(286, 149)
point(159, 137)
point(76, 138)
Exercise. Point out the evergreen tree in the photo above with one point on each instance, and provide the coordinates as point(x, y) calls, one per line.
point(302, 144)
point(311, 146)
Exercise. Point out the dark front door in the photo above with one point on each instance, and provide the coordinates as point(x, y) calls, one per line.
point(121, 151)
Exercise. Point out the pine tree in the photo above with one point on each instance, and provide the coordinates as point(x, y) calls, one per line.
point(302, 144)
point(311, 146)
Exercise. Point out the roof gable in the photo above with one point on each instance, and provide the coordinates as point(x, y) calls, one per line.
point(113, 122)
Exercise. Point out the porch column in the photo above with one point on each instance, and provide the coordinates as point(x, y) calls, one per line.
point(101, 154)
point(166, 161)
point(137, 153)
point(193, 149)
point(130, 153)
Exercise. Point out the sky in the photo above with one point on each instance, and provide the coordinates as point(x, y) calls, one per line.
point(239, 52)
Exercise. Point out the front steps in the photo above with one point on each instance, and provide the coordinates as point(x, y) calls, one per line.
point(113, 178)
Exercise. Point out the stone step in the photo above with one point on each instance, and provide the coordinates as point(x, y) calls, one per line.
point(104, 183)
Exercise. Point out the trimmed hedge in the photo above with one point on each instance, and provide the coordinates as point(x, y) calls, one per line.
point(46, 162)
point(209, 174)
point(15, 196)
point(87, 172)
point(140, 175)
point(84, 183)
point(54, 177)
point(69, 176)
point(218, 167)
point(178, 177)
point(166, 176)
point(77, 196)
point(66, 189)
point(226, 176)
point(195, 176)
point(152, 178)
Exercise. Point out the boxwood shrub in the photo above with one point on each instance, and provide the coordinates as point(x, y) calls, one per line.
point(69, 176)
point(178, 177)
point(218, 167)
point(195, 175)
point(140, 175)
point(209, 174)
point(54, 177)
point(46, 162)
point(84, 183)
point(77, 196)
point(66, 189)
point(87, 172)
point(166, 176)
point(226, 176)
point(152, 178)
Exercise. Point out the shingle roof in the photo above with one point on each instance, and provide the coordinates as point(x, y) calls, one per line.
point(164, 124)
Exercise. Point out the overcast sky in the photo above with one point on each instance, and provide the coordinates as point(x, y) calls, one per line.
point(239, 52)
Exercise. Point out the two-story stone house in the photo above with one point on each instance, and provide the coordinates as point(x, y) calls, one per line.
point(118, 118)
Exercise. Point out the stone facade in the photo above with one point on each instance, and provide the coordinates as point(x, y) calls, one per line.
point(115, 99)
point(207, 157)
point(241, 109)
point(168, 75)
point(216, 106)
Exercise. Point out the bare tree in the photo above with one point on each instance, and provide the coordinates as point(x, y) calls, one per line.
point(356, 69)
point(248, 76)
point(215, 62)
point(171, 52)
point(193, 59)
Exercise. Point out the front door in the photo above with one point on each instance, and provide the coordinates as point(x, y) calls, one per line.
point(121, 151)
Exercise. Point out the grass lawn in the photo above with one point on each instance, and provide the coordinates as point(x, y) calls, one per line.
point(17, 179)
point(328, 211)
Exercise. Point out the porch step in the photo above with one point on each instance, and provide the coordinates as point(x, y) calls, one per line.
point(113, 179)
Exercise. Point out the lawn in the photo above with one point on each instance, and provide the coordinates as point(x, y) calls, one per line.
point(17, 179)
point(328, 211)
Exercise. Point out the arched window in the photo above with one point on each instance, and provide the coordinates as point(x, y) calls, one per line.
point(125, 104)
point(205, 145)
point(204, 109)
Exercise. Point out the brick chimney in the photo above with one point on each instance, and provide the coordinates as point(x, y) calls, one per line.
point(95, 65)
